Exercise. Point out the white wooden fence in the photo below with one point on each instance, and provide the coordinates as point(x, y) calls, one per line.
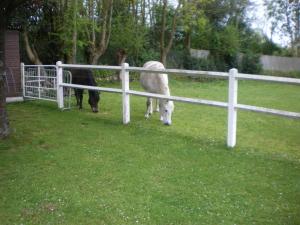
point(232, 105)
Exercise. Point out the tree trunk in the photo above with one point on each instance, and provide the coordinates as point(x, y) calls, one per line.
point(72, 55)
point(163, 57)
point(121, 56)
point(74, 47)
point(31, 52)
point(297, 26)
point(297, 19)
point(4, 125)
point(97, 49)
point(187, 41)
point(164, 50)
point(6, 8)
point(143, 12)
point(151, 14)
point(163, 54)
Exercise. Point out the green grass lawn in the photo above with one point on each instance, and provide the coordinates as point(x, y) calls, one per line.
point(77, 167)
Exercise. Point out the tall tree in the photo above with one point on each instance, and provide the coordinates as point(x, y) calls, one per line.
point(34, 17)
point(30, 49)
point(67, 27)
point(285, 18)
point(167, 42)
point(100, 17)
point(4, 127)
point(74, 33)
point(7, 7)
point(193, 18)
point(128, 36)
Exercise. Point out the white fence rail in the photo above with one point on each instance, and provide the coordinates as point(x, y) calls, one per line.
point(232, 105)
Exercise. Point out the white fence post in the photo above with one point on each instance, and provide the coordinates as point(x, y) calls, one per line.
point(125, 95)
point(232, 110)
point(60, 90)
point(23, 78)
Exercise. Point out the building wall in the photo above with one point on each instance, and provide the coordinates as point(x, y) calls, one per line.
point(273, 63)
point(200, 54)
point(12, 61)
point(278, 63)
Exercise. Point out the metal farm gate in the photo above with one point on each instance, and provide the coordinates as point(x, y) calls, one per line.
point(40, 82)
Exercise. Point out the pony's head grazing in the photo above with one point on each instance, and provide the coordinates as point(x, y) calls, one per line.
point(93, 100)
point(166, 109)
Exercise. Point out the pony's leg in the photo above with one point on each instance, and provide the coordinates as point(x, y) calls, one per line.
point(161, 110)
point(77, 96)
point(80, 93)
point(149, 108)
point(156, 105)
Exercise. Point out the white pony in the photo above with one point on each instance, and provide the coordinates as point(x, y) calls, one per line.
point(157, 83)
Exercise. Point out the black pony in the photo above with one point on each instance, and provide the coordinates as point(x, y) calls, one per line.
point(85, 77)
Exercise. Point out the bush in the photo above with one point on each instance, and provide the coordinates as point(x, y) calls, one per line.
point(212, 63)
point(143, 57)
point(292, 74)
point(103, 76)
point(250, 63)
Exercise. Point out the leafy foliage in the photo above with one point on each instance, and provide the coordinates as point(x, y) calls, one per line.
point(62, 30)
point(250, 63)
point(285, 16)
